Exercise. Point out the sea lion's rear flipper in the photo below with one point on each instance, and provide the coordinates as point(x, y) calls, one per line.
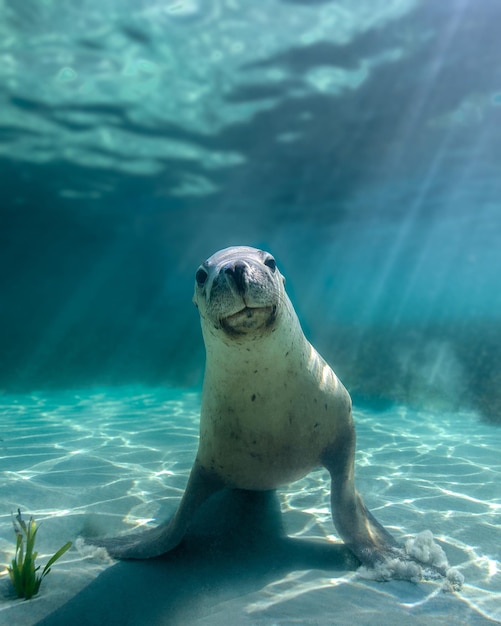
point(156, 541)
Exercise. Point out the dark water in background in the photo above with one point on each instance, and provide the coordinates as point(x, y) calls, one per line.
point(360, 142)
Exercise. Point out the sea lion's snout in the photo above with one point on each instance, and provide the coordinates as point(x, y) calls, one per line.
point(236, 272)
point(245, 280)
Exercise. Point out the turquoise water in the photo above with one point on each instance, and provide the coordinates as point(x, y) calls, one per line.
point(107, 460)
point(359, 142)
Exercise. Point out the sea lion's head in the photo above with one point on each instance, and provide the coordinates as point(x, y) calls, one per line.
point(239, 290)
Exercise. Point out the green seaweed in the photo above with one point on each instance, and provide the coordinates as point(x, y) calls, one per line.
point(22, 571)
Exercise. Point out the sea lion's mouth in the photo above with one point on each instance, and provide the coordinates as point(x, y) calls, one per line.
point(249, 319)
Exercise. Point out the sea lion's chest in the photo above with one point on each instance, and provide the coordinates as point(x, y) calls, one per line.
point(265, 422)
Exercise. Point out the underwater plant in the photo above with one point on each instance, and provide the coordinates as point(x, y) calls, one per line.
point(22, 570)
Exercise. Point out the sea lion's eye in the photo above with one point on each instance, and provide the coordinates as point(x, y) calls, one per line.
point(270, 262)
point(201, 277)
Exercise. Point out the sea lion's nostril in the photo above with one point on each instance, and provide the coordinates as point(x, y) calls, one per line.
point(237, 272)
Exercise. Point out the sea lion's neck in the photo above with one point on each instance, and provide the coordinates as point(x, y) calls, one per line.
point(271, 354)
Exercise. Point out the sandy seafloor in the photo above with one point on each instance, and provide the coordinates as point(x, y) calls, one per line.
point(103, 460)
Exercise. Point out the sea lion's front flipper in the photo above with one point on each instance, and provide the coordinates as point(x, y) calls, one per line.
point(374, 546)
point(358, 528)
point(156, 541)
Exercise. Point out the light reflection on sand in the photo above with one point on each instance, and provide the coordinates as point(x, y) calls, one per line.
point(114, 459)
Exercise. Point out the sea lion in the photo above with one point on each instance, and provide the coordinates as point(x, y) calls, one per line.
point(272, 409)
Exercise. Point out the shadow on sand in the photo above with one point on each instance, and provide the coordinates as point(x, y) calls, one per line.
point(235, 547)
